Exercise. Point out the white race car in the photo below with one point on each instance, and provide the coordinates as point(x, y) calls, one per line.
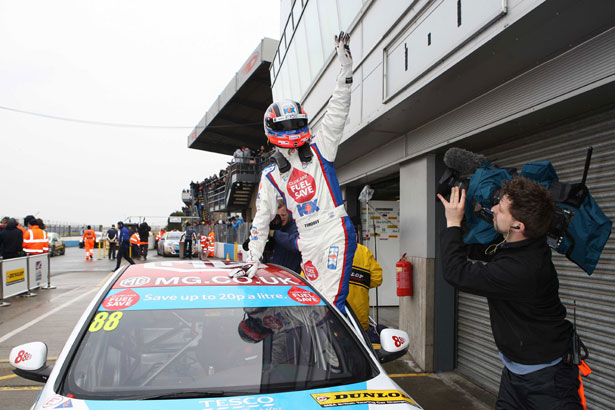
point(185, 335)
point(169, 245)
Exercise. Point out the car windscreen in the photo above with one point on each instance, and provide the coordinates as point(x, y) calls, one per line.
point(172, 353)
point(175, 236)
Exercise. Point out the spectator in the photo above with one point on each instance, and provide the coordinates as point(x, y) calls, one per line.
point(284, 236)
point(124, 245)
point(21, 228)
point(261, 151)
point(112, 237)
point(41, 224)
point(238, 155)
point(35, 241)
point(11, 239)
point(190, 239)
point(144, 230)
point(29, 218)
point(237, 222)
point(246, 154)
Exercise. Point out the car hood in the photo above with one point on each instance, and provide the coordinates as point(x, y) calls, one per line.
point(370, 395)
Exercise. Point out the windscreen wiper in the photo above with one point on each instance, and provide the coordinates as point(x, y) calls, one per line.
point(191, 394)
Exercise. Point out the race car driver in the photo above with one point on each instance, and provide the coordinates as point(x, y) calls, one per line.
point(304, 177)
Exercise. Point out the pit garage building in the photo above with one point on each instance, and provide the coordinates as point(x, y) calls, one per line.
point(515, 80)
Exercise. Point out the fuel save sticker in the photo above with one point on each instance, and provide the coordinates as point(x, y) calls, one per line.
point(334, 399)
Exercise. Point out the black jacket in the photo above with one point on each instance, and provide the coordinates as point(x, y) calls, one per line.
point(521, 286)
point(144, 229)
point(285, 252)
point(11, 241)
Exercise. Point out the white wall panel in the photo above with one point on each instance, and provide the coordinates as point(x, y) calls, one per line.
point(372, 94)
point(380, 18)
point(438, 32)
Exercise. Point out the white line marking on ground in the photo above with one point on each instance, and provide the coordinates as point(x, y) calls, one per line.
point(67, 294)
point(51, 312)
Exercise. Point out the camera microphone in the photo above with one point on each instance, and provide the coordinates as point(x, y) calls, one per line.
point(463, 161)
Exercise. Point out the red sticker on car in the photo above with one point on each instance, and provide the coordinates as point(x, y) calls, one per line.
point(301, 186)
point(121, 300)
point(303, 296)
point(54, 401)
point(23, 356)
point(310, 270)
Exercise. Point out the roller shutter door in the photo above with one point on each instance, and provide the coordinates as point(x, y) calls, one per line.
point(565, 146)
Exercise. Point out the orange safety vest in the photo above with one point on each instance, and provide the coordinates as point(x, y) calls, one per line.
point(89, 234)
point(211, 244)
point(135, 239)
point(35, 241)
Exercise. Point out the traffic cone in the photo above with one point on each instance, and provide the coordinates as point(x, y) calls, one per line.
point(227, 258)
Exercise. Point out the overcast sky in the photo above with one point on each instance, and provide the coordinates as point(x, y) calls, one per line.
point(148, 62)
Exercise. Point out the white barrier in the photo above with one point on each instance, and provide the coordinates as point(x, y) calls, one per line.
point(20, 275)
point(14, 273)
point(38, 266)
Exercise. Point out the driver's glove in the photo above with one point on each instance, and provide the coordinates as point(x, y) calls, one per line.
point(248, 269)
point(345, 57)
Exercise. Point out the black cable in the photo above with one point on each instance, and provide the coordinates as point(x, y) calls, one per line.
point(110, 124)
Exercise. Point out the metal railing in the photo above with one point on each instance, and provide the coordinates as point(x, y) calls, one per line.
point(217, 191)
point(229, 234)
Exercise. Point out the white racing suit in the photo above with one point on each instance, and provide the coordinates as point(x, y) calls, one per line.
point(313, 197)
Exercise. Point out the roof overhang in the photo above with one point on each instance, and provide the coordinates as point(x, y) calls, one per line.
point(235, 119)
point(512, 52)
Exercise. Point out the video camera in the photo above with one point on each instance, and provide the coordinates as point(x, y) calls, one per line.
point(579, 229)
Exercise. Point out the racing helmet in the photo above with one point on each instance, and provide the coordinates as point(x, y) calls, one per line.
point(286, 124)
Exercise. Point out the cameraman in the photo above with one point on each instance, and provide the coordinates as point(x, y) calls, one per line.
point(520, 283)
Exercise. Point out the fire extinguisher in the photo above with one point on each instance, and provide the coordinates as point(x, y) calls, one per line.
point(403, 269)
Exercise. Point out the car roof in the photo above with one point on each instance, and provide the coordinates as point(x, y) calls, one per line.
point(206, 284)
point(201, 273)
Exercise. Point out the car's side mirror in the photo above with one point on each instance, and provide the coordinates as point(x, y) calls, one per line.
point(393, 343)
point(29, 361)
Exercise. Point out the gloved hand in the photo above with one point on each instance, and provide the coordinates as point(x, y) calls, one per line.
point(343, 49)
point(249, 270)
point(343, 54)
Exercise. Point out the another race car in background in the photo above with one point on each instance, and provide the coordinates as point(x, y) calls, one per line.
point(56, 244)
point(169, 244)
point(185, 335)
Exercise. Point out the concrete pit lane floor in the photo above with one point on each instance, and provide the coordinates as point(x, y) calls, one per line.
point(51, 315)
